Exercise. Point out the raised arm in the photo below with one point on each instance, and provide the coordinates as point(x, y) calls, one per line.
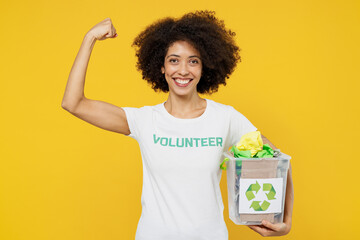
point(98, 113)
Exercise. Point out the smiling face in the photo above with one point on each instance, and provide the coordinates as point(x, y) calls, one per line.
point(182, 68)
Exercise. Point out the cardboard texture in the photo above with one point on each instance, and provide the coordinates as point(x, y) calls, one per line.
point(258, 169)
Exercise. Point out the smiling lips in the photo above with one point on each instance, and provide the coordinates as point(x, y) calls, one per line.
point(182, 82)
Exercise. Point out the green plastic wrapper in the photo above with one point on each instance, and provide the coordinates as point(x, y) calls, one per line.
point(267, 152)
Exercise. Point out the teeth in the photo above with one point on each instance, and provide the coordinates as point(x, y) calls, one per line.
point(182, 81)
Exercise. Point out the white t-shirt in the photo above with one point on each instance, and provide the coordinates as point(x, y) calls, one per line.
point(181, 197)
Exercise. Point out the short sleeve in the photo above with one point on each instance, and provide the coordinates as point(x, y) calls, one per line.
point(239, 125)
point(131, 117)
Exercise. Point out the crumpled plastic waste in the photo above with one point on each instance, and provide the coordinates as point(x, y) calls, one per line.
point(277, 153)
point(251, 141)
point(267, 152)
point(250, 146)
point(237, 153)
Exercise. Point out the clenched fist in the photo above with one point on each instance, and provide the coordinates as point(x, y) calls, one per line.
point(103, 30)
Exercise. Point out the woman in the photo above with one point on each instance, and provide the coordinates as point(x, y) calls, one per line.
point(182, 139)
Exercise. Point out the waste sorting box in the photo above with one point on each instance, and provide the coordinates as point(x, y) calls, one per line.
point(256, 188)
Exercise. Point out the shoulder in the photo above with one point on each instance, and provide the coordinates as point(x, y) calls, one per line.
point(221, 106)
point(235, 116)
point(143, 111)
point(225, 109)
point(146, 107)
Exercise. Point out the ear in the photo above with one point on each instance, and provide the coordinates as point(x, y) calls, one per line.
point(162, 70)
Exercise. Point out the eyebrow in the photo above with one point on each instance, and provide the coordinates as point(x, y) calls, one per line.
point(179, 56)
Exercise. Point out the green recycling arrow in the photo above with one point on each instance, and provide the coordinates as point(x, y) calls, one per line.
point(256, 205)
point(253, 187)
point(256, 187)
point(269, 187)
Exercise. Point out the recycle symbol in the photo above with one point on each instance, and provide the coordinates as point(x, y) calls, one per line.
point(256, 187)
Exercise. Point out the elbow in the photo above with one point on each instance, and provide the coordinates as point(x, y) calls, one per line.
point(70, 104)
point(66, 107)
point(70, 107)
point(63, 105)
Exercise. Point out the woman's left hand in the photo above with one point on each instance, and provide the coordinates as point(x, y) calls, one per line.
point(268, 229)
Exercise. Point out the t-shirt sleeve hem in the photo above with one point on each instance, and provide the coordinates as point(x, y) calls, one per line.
point(130, 120)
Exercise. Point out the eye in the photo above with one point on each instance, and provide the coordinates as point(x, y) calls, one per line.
point(173, 60)
point(194, 61)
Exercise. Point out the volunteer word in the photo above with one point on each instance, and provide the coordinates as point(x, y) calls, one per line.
point(188, 142)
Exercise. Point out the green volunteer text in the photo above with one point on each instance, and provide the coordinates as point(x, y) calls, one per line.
point(188, 142)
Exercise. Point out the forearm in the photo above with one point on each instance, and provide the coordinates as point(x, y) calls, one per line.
point(289, 199)
point(289, 195)
point(74, 91)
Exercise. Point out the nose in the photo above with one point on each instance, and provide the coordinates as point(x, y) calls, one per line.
point(183, 69)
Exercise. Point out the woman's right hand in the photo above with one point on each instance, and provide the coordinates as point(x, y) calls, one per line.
point(103, 30)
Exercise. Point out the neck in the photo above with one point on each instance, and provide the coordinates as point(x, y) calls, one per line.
point(176, 104)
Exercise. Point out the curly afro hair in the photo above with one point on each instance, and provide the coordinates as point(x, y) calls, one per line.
point(218, 51)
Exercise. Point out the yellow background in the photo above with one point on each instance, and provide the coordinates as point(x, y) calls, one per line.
point(298, 82)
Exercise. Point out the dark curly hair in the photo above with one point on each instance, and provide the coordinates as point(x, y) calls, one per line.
point(218, 51)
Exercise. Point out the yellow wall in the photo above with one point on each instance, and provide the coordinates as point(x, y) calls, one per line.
point(298, 82)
